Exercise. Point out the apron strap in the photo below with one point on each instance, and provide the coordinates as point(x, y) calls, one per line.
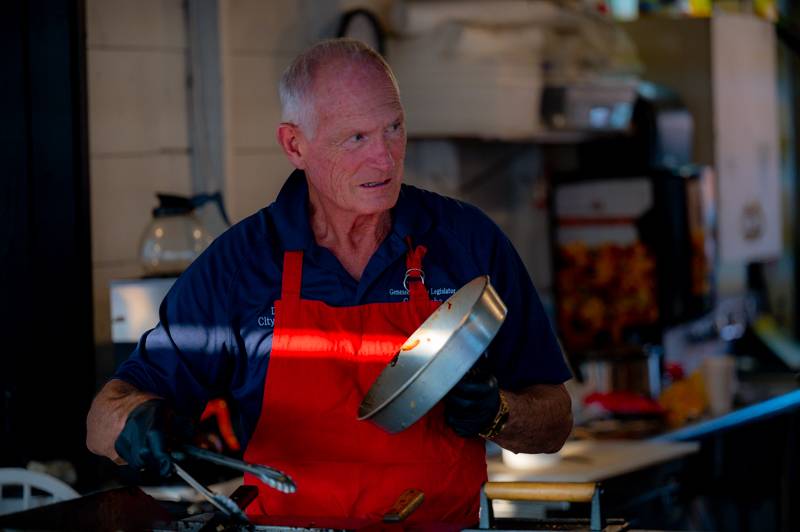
point(292, 277)
point(414, 280)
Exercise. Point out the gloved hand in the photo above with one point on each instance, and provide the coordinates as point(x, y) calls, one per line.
point(144, 441)
point(471, 406)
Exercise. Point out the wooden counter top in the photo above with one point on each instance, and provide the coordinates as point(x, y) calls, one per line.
point(591, 460)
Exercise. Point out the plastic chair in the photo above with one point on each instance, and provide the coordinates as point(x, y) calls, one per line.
point(38, 489)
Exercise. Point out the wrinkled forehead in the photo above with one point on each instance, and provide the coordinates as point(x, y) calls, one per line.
point(360, 84)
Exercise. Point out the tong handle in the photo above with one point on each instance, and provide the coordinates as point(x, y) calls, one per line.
point(205, 492)
point(222, 503)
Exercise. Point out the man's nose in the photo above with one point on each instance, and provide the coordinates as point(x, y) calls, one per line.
point(382, 154)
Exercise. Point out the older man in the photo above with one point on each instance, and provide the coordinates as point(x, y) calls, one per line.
point(294, 311)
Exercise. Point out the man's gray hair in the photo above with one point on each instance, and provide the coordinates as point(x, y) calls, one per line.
point(297, 81)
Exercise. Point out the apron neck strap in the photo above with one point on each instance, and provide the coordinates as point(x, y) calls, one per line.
point(292, 277)
point(414, 279)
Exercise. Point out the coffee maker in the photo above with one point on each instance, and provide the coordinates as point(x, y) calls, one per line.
point(179, 230)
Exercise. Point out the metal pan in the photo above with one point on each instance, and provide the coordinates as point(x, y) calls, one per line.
point(435, 357)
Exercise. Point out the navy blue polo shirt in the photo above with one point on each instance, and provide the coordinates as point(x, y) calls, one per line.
point(215, 331)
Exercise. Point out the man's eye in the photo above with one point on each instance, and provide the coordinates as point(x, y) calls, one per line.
point(395, 127)
point(358, 137)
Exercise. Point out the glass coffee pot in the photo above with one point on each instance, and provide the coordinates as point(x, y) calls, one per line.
point(173, 238)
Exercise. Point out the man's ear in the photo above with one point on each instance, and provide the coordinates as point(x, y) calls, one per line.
point(291, 141)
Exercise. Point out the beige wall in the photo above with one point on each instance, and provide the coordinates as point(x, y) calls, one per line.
point(139, 141)
point(259, 39)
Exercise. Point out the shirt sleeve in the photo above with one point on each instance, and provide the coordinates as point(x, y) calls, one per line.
point(185, 358)
point(525, 350)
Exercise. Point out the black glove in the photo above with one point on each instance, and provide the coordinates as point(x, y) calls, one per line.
point(471, 406)
point(144, 441)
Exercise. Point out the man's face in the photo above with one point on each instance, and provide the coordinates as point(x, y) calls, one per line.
point(354, 158)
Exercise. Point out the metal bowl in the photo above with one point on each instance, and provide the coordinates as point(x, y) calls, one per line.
point(435, 357)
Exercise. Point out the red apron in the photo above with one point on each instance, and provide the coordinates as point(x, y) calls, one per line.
point(323, 361)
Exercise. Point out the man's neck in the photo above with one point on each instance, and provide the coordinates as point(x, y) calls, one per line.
point(352, 238)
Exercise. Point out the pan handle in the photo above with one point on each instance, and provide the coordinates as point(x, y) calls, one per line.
point(542, 491)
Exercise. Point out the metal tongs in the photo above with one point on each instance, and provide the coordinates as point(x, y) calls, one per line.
point(269, 476)
point(222, 502)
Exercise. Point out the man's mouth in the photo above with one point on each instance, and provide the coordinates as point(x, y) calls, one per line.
point(375, 184)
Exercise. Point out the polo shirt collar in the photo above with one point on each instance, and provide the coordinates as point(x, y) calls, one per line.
point(409, 217)
point(291, 214)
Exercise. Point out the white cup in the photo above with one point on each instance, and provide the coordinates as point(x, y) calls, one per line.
point(719, 373)
point(625, 9)
point(529, 461)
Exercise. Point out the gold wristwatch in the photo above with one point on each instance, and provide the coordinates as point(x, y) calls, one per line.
point(499, 420)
